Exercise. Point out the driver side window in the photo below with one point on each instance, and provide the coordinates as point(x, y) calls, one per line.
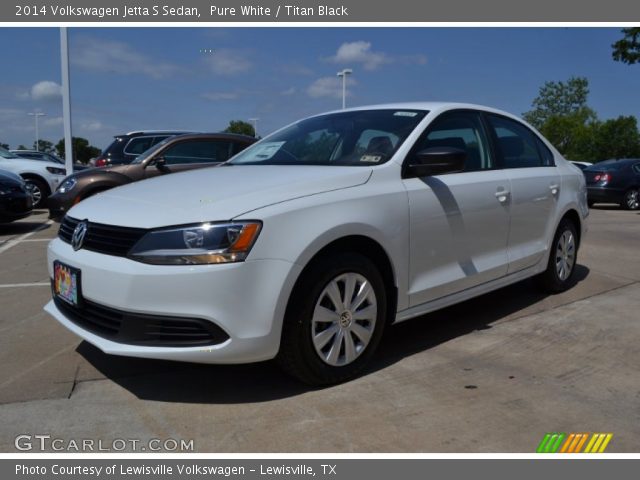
point(464, 131)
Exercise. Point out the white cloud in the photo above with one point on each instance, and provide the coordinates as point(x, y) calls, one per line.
point(360, 53)
point(288, 91)
point(216, 96)
point(46, 90)
point(52, 121)
point(92, 126)
point(99, 55)
point(328, 87)
point(227, 62)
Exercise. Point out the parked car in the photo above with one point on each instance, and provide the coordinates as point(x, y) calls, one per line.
point(304, 246)
point(614, 181)
point(41, 177)
point(15, 198)
point(128, 146)
point(46, 157)
point(174, 154)
point(582, 165)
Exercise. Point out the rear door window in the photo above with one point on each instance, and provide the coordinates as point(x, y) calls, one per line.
point(518, 146)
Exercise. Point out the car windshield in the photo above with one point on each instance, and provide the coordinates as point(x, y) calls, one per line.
point(353, 138)
point(4, 153)
point(150, 152)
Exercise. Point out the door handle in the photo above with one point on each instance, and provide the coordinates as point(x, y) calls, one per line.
point(502, 195)
point(554, 187)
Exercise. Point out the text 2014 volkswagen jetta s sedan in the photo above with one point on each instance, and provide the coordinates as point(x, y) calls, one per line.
point(307, 244)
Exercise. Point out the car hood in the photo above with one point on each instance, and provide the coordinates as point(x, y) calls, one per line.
point(93, 171)
point(211, 194)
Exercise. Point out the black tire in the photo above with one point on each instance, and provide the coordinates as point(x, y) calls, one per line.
point(631, 199)
point(551, 280)
point(298, 355)
point(39, 192)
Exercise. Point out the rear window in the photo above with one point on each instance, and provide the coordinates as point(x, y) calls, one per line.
point(605, 166)
point(115, 146)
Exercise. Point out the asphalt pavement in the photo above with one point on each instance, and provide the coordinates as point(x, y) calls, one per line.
point(493, 374)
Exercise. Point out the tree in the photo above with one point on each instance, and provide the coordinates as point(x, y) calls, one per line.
point(240, 127)
point(627, 49)
point(4, 145)
point(82, 151)
point(616, 138)
point(21, 147)
point(44, 146)
point(560, 99)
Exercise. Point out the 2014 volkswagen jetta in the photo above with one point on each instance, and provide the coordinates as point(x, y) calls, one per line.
point(307, 244)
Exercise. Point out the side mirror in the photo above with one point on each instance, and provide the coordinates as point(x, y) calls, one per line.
point(436, 161)
point(161, 164)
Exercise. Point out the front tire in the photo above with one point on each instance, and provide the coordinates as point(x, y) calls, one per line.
point(39, 192)
point(334, 321)
point(562, 259)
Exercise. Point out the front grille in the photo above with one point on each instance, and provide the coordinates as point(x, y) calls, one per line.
point(140, 329)
point(107, 239)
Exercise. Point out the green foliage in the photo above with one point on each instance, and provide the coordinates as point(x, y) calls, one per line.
point(560, 99)
point(43, 146)
point(22, 147)
point(4, 145)
point(627, 49)
point(560, 112)
point(82, 151)
point(240, 127)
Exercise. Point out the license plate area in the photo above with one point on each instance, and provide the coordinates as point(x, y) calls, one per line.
point(66, 283)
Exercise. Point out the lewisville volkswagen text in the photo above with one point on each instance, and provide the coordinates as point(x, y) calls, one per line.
point(307, 244)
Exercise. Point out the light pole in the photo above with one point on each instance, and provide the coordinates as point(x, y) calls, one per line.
point(36, 115)
point(255, 126)
point(343, 74)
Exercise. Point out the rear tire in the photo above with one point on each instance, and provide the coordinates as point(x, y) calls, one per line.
point(334, 321)
point(563, 258)
point(631, 200)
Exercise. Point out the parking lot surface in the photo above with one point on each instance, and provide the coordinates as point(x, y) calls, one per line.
point(493, 374)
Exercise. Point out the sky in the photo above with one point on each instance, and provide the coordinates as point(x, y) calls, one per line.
point(200, 78)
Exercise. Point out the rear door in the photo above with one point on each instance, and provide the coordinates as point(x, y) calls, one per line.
point(535, 187)
point(459, 222)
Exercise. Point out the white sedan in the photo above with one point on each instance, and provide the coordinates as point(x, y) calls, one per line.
point(307, 244)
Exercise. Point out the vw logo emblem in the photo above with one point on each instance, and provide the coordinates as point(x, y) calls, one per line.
point(80, 232)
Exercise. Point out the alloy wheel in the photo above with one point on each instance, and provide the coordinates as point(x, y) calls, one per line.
point(344, 319)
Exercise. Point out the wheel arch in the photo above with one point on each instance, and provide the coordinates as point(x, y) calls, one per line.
point(367, 247)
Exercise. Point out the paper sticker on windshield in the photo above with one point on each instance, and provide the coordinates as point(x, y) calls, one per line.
point(266, 150)
point(405, 114)
point(371, 158)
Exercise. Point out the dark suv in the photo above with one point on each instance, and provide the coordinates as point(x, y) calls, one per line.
point(176, 154)
point(128, 146)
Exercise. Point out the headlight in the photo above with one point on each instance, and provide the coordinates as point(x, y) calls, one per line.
point(56, 171)
point(197, 244)
point(67, 185)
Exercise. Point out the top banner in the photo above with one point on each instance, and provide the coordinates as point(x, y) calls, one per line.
point(343, 11)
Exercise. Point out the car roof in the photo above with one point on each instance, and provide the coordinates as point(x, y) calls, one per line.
point(153, 132)
point(430, 106)
point(215, 135)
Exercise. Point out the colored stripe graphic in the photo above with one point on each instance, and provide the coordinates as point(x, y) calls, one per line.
point(556, 442)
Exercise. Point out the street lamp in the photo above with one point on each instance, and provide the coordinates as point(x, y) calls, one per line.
point(36, 115)
point(255, 126)
point(343, 74)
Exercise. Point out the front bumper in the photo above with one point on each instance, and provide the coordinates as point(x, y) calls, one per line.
point(15, 206)
point(59, 204)
point(246, 300)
